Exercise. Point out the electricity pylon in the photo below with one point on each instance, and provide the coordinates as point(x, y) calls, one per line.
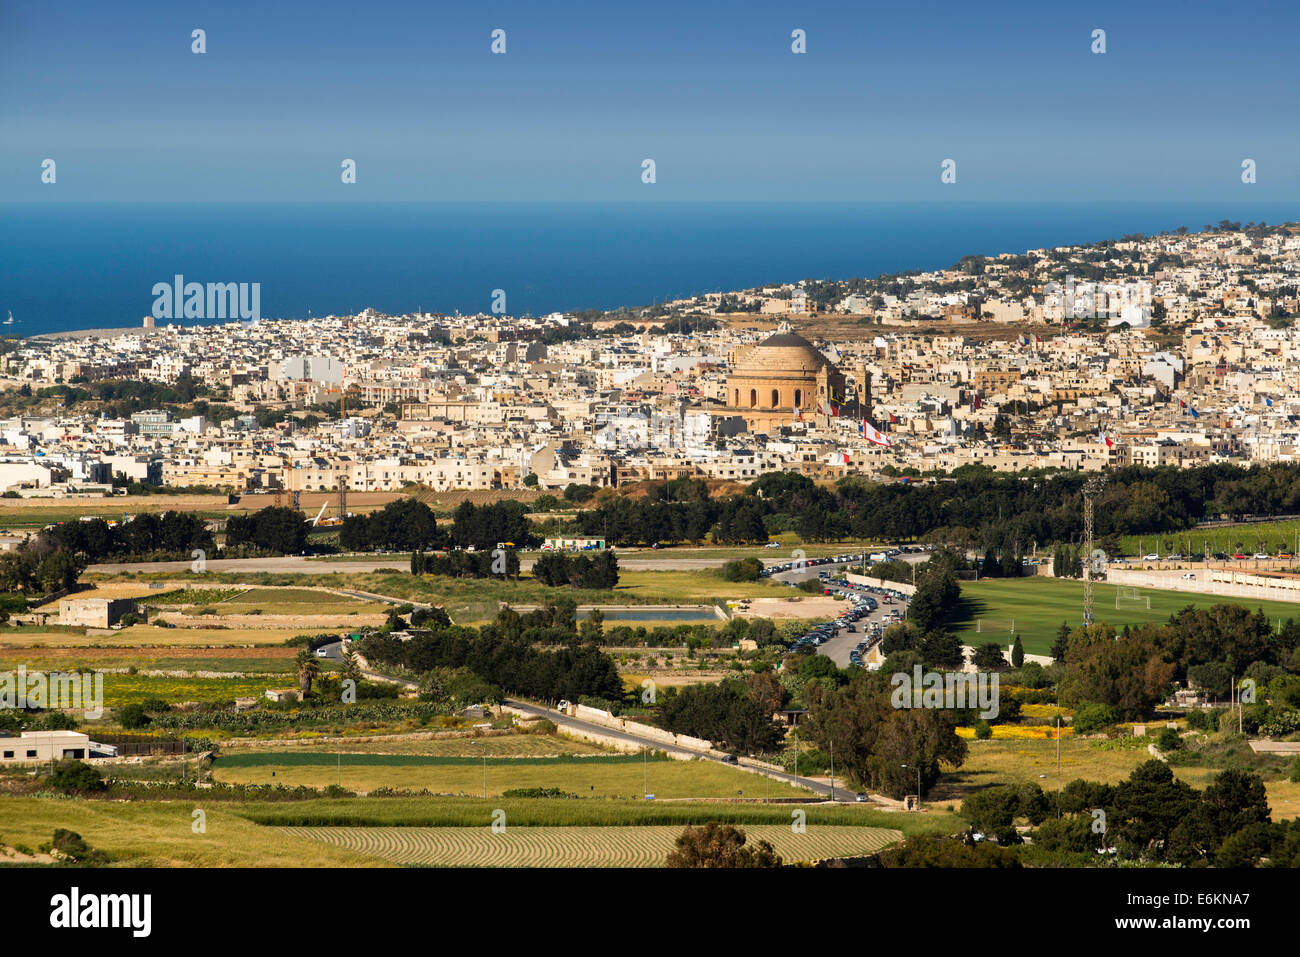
point(1091, 490)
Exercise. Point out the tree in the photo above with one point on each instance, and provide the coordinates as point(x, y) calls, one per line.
point(936, 598)
point(988, 657)
point(308, 669)
point(871, 739)
point(720, 845)
point(351, 670)
point(1148, 806)
point(1130, 674)
point(1017, 654)
point(994, 810)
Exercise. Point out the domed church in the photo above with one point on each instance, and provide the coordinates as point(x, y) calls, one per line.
point(783, 373)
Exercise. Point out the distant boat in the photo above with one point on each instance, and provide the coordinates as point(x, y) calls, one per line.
point(10, 320)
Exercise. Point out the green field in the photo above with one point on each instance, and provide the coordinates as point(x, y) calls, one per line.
point(459, 746)
point(1250, 537)
point(604, 776)
point(1038, 605)
point(471, 812)
point(578, 846)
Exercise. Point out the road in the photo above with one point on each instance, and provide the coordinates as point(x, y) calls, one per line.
point(576, 724)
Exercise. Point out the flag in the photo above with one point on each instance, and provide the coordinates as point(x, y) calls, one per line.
point(835, 409)
point(976, 403)
point(819, 406)
point(798, 414)
point(873, 435)
point(1105, 440)
point(846, 457)
point(1268, 402)
point(1195, 414)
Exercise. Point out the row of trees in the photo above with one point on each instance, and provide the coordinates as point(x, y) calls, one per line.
point(972, 506)
point(147, 535)
point(40, 566)
point(579, 571)
point(281, 531)
point(461, 564)
point(409, 524)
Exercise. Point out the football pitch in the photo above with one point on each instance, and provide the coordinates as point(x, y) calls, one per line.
point(1038, 605)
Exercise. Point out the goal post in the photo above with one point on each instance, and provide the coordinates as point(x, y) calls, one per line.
point(1126, 596)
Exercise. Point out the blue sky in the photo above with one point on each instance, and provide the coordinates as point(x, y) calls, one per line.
point(587, 90)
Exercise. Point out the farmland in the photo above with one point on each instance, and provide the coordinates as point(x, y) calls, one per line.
point(577, 846)
point(612, 776)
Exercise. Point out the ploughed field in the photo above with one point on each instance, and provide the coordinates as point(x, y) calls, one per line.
point(640, 846)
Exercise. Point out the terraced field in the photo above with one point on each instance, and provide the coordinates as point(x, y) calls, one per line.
point(645, 846)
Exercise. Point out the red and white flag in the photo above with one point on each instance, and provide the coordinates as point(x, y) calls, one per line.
point(846, 457)
point(1104, 439)
point(873, 435)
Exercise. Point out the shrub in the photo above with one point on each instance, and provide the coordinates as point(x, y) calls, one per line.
point(1169, 740)
point(743, 570)
point(1092, 718)
point(75, 777)
point(983, 730)
point(132, 717)
point(71, 846)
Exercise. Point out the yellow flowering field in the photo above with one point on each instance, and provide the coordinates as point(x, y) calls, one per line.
point(1040, 732)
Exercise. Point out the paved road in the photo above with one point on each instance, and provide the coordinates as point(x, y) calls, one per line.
point(576, 724)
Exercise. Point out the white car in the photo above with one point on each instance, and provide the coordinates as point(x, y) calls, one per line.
point(1151, 558)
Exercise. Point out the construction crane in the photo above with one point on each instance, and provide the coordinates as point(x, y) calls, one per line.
point(343, 499)
point(1092, 489)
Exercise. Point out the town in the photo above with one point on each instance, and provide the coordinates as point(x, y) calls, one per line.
point(1173, 350)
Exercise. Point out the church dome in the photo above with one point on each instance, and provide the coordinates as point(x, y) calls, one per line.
point(783, 352)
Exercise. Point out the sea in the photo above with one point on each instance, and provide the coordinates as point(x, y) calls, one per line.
point(73, 266)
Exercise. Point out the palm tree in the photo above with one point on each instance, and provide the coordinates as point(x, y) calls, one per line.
point(351, 669)
point(308, 670)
